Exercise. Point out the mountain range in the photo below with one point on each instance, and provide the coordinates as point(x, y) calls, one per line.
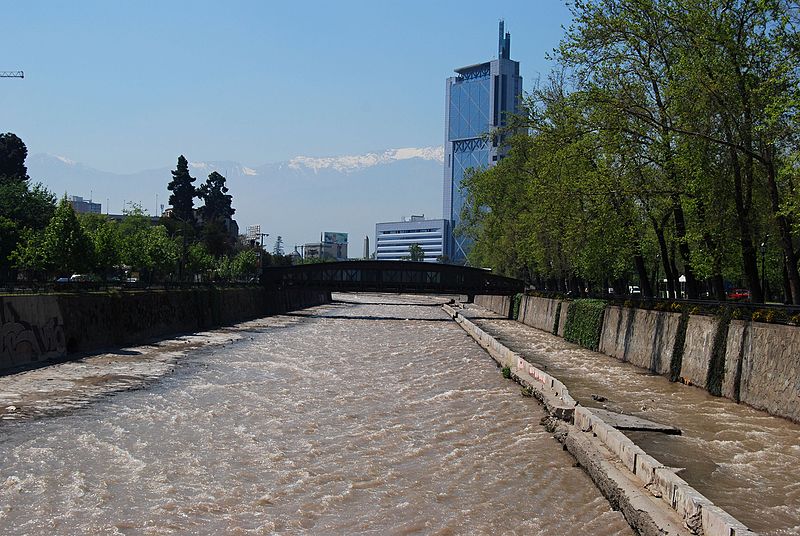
point(297, 199)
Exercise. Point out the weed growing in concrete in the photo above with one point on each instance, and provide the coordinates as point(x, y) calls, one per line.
point(506, 373)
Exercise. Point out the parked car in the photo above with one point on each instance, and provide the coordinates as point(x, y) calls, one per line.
point(739, 294)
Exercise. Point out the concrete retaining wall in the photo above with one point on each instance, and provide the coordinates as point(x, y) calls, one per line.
point(539, 312)
point(697, 349)
point(45, 327)
point(762, 367)
point(761, 362)
point(498, 304)
point(644, 338)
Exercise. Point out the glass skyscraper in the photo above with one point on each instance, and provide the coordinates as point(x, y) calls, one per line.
point(478, 100)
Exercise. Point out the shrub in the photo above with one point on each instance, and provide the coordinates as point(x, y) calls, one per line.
point(506, 372)
point(515, 306)
point(585, 322)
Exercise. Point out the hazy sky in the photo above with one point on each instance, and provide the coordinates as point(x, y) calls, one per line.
point(124, 86)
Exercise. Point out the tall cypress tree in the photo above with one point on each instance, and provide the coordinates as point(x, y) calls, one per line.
point(217, 201)
point(216, 213)
point(183, 192)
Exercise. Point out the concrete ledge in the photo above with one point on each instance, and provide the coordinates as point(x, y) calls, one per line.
point(639, 480)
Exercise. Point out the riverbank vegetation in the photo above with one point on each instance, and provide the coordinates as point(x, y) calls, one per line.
point(42, 239)
point(662, 152)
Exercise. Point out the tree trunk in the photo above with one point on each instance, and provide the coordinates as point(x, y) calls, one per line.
point(674, 268)
point(785, 234)
point(717, 283)
point(683, 247)
point(741, 196)
point(669, 275)
point(787, 290)
point(644, 281)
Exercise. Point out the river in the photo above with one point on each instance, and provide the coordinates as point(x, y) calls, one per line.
point(374, 415)
point(745, 461)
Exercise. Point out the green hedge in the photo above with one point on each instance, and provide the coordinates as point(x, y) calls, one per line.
point(515, 306)
point(585, 322)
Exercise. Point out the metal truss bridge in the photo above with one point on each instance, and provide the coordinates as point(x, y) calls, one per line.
point(391, 276)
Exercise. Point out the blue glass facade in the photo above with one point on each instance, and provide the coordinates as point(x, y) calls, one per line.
point(470, 114)
point(477, 101)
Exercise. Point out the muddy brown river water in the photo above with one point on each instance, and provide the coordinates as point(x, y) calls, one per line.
point(744, 460)
point(342, 419)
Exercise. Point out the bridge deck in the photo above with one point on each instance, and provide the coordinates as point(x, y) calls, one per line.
point(393, 277)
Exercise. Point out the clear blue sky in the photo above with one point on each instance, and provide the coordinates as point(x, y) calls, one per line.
point(124, 85)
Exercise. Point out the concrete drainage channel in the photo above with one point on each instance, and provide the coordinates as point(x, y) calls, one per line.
point(653, 499)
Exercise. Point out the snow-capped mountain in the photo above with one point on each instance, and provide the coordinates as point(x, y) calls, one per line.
point(349, 164)
point(297, 199)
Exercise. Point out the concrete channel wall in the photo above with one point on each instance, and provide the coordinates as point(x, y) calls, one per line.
point(759, 362)
point(539, 312)
point(643, 338)
point(762, 367)
point(498, 304)
point(50, 327)
point(652, 497)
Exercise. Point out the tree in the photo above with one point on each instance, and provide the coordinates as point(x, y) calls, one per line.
point(415, 253)
point(162, 252)
point(183, 192)
point(29, 252)
point(106, 242)
point(199, 260)
point(66, 246)
point(13, 153)
point(245, 264)
point(241, 267)
point(217, 201)
point(148, 248)
point(216, 214)
point(22, 206)
point(278, 249)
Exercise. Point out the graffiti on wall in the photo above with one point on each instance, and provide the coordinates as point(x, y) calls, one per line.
point(26, 338)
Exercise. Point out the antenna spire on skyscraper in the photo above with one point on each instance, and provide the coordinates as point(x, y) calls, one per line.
point(504, 42)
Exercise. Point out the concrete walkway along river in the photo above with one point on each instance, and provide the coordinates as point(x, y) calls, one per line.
point(373, 417)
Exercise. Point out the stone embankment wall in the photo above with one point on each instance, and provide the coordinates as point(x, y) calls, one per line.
point(498, 304)
point(751, 362)
point(46, 327)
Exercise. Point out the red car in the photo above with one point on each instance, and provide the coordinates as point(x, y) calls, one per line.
point(739, 294)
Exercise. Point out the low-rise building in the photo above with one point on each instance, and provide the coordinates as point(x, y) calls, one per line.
point(331, 247)
point(84, 206)
point(393, 240)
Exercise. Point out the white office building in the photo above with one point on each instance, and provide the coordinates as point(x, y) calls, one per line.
point(393, 240)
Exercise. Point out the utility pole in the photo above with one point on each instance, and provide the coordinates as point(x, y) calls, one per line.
point(12, 74)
